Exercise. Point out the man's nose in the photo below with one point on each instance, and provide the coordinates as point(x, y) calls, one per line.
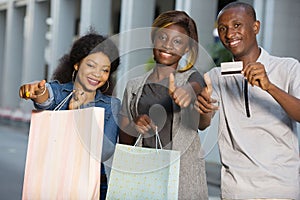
point(230, 32)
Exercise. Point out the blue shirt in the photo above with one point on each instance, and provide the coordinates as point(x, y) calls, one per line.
point(58, 92)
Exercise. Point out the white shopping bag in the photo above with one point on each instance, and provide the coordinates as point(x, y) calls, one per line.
point(144, 173)
point(64, 154)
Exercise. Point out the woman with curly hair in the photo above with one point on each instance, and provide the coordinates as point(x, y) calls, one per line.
point(84, 75)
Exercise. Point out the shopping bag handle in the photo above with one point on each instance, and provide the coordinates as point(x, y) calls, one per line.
point(157, 141)
point(60, 105)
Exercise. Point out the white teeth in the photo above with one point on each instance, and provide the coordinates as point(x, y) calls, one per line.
point(93, 81)
point(234, 42)
point(166, 54)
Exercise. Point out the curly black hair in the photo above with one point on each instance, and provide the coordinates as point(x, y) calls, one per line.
point(90, 43)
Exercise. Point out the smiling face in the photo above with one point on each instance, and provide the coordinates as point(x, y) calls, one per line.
point(170, 44)
point(237, 31)
point(93, 72)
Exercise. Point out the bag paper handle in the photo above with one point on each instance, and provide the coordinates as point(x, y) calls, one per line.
point(138, 140)
point(60, 105)
point(157, 141)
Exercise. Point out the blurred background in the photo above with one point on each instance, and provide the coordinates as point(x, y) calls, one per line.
point(34, 34)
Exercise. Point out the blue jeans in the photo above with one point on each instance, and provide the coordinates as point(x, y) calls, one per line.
point(103, 187)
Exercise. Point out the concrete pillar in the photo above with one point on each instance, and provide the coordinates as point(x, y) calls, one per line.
point(96, 13)
point(2, 47)
point(259, 7)
point(62, 30)
point(35, 42)
point(204, 14)
point(134, 52)
point(281, 28)
point(13, 55)
point(267, 25)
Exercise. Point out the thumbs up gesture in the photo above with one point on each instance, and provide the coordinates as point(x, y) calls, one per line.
point(182, 96)
point(204, 103)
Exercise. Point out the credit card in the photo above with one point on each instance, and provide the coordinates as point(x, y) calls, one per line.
point(231, 68)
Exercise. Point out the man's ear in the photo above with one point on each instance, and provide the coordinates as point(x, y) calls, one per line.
point(256, 27)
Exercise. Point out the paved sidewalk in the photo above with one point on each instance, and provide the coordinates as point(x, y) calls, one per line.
point(13, 148)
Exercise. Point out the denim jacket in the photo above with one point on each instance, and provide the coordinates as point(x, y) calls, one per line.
point(58, 92)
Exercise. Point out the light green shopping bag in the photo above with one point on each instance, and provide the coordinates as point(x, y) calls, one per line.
point(144, 173)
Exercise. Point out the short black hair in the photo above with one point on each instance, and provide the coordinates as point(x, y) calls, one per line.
point(248, 8)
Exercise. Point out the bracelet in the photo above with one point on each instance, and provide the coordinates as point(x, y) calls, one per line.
point(38, 95)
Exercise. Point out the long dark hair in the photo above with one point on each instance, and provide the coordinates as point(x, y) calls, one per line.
point(82, 47)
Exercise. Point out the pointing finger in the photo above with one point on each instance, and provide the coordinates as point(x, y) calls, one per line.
point(42, 84)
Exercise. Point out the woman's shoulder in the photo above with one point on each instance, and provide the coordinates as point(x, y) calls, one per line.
point(135, 83)
point(136, 80)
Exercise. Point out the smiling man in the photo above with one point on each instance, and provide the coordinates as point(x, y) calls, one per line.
point(257, 130)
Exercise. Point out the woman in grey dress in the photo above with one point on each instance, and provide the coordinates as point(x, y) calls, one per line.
point(163, 98)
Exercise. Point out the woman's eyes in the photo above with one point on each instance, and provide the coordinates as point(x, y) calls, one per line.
point(91, 65)
point(175, 41)
point(162, 37)
point(103, 69)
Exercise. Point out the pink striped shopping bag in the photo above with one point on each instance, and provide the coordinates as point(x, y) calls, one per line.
point(64, 154)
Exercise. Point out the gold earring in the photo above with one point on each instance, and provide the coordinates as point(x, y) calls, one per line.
point(74, 75)
point(106, 87)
